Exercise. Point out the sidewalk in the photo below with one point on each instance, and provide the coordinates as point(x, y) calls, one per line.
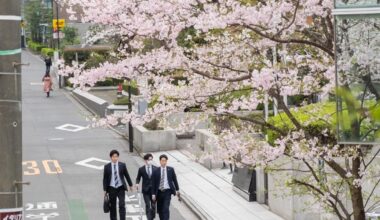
point(211, 194)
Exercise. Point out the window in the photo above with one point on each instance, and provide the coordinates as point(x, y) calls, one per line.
point(356, 3)
point(358, 77)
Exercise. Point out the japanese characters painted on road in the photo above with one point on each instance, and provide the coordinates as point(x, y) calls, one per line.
point(11, 214)
point(42, 216)
point(44, 207)
point(86, 163)
point(41, 206)
point(133, 204)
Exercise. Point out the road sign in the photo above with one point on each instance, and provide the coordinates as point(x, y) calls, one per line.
point(11, 214)
point(59, 24)
point(61, 35)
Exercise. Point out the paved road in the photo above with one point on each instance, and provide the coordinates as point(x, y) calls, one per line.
point(60, 189)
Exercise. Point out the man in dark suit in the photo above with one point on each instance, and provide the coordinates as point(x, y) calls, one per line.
point(165, 184)
point(145, 172)
point(114, 184)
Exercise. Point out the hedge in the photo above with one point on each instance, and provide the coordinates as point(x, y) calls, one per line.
point(47, 52)
point(37, 47)
point(122, 101)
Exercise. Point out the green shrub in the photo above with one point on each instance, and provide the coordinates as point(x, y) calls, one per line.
point(122, 101)
point(94, 61)
point(39, 48)
point(153, 125)
point(313, 113)
point(36, 47)
point(47, 52)
point(134, 90)
point(109, 82)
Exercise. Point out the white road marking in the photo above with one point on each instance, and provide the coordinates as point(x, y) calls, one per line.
point(36, 83)
point(71, 127)
point(86, 162)
point(56, 139)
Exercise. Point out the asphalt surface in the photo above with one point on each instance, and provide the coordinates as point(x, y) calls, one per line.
point(61, 189)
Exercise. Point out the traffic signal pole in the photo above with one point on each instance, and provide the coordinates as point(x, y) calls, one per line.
point(10, 106)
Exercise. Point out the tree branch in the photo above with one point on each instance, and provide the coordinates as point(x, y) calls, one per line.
point(207, 75)
point(262, 123)
point(292, 22)
point(336, 210)
point(372, 191)
point(282, 105)
point(225, 67)
point(329, 51)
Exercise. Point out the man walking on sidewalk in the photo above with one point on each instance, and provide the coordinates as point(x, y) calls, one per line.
point(48, 63)
point(145, 172)
point(114, 184)
point(165, 184)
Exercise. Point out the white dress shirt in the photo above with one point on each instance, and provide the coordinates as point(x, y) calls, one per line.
point(113, 184)
point(166, 183)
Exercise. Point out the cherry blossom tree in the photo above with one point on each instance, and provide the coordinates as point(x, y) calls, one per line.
point(232, 55)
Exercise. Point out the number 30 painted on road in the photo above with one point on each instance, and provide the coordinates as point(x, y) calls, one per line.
point(32, 167)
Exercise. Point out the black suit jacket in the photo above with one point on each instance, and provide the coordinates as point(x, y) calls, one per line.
point(146, 181)
point(123, 172)
point(172, 180)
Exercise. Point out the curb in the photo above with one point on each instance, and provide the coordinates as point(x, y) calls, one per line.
point(197, 210)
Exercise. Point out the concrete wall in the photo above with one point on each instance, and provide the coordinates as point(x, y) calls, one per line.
point(202, 137)
point(177, 118)
point(94, 103)
point(117, 110)
point(152, 141)
point(284, 203)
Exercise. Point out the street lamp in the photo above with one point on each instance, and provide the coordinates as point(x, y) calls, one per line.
point(130, 128)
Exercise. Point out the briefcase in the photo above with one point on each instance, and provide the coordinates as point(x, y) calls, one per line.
point(106, 204)
point(153, 209)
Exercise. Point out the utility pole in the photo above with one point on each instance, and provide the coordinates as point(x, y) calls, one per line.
point(56, 6)
point(10, 106)
point(58, 40)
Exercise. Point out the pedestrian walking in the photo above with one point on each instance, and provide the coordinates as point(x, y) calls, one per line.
point(165, 184)
point(48, 63)
point(145, 172)
point(48, 84)
point(114, 184)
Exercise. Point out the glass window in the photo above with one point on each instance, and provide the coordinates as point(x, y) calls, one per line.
point(356, 3)
point(358, 78)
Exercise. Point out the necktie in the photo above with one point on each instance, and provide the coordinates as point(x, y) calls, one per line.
point(115, 174)
point(149, 173)
point(162, 179)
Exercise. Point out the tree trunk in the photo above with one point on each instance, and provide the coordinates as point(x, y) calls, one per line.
point(357, 203)
point(356, 193)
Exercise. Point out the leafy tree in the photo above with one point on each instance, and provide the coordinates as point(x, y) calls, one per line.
point(36, 14)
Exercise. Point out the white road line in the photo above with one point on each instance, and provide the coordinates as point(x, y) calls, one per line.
point(36, 83)
point(10, 18)
point(56, 139)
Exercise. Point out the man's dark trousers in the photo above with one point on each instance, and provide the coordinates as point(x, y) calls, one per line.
point(115, 194)
point(163, 203)
point(149, 206)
